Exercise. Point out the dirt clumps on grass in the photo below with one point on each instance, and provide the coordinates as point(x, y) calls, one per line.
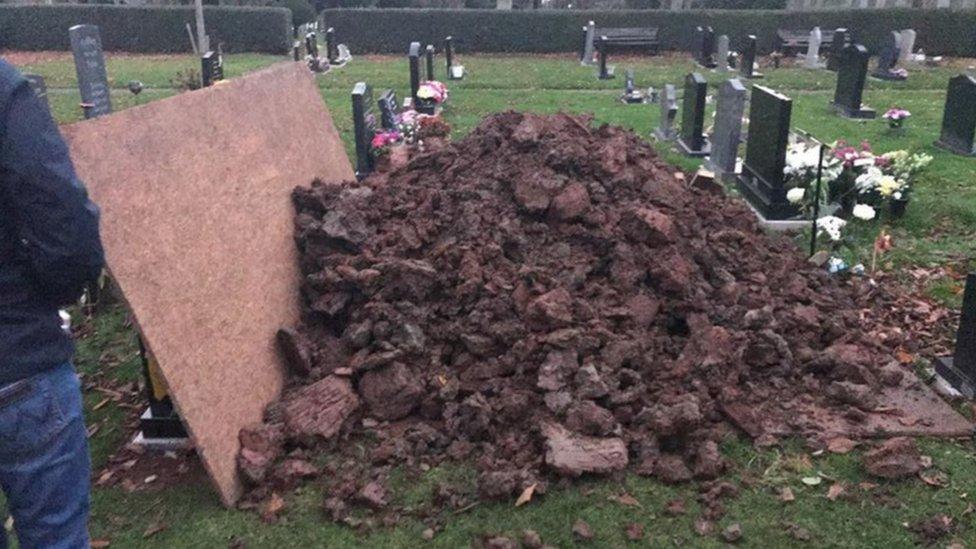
point(544, 299)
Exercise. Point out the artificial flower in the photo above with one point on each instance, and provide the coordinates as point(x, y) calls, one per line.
point(864, 212)
point(831, 225)
point(795, 195)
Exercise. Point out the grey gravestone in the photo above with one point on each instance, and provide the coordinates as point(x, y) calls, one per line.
point(692, 140)
point(413, 56)
point(960, 369)
point(429, 56)
point(631, 94)
point(706, 47)
point(747, 62)
point(761, 181)
point(888, 59)
point(588, 47)
point(389, 109)
point(837, 49)
point(851, 75)
point(39, 87)
point(722, 54)
point(606, 72)
point(812, 59)
point(86, 46)
point(907, 47)
point(669, 111)
point(728, 128)
point(454, 72)
point(959, 117)
point(364, 127)
point(211, 68)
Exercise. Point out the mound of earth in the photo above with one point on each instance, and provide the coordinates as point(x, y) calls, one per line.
point(545, 299)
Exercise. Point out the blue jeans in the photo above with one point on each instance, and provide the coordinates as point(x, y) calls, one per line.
point(45, 469)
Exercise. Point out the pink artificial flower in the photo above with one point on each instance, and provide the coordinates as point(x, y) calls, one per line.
point(382, 139)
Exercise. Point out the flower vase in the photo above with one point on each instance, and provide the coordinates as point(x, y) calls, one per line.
point(897, 207)
point(426, 106)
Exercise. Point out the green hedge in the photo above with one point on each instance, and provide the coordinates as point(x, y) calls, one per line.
point(145, 29)
point(940, 32)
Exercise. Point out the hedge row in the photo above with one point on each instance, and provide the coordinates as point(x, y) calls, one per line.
point(940, 32)
point(145, 29)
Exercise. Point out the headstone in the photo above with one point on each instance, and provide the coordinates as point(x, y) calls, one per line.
point(812, 60)
point(888, 59)
point(312, 45)
point(692, 140)
point(761, 181)
point(503, 4)
point(429, 55)
point(344, 54)
point(39, 87)
point(86, 46)
point(413, 56)
point(331, 46)
point(211, 68)
point(389, 109)
point(296, 51)
point(851, 74)
point(959, 117)
point(582, 46)
point(728, 128)
point(722, 54)
point(588, 48)
point(747, 62)
point(960, 369)
point(454, 72)
point(907, 47)
point(706, 47)
point(629, 82)
point(669, 111)
point(606, 72)
point(364, 127)
point(631, 94)
point(840, 42)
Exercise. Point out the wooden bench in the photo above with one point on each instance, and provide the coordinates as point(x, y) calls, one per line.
point(637, 39)
point(791, 42)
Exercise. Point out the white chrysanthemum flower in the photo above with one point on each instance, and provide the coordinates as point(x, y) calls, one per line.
point(795, 195)
point(831, 225)
point(864, 212)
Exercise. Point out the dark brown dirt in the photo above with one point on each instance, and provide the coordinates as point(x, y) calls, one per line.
point(543, 297)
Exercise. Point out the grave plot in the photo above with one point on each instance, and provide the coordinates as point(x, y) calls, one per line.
point(546, 299)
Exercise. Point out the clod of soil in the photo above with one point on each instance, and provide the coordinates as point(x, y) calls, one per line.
point(894, 458)
point(542, 297)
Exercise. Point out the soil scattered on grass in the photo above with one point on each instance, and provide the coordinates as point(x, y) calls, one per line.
point(544, 298)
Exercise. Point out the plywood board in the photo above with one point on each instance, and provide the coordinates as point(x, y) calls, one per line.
point(197, 223)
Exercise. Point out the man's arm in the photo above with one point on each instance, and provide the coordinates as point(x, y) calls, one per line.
point(55, 222)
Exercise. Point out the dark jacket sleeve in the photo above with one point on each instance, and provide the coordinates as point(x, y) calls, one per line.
point(55, 222)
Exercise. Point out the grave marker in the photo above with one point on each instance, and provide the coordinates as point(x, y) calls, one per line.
point(39, 87)
point(907, 47)
point(211, 68)
point(959, 116)
point(364, 127)
point(331, 47)
point(606, 73)
point(812, 59)
point(706, 47)
point(669, 111)
point(728, 129)
point(429, 54)
point(761, 181)
point(413, 57)
point(960, 369)
point(296, 51)
point(589, 44)
point(837, 49)
point(692, 141)
point(747, 64)
point(722, 55)
point(389, 109)
point(86, 47)
point(889, 59)
point(312, 45)
point(851, 75)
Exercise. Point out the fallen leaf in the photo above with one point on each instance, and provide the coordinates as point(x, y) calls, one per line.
point(835, 491)
point(704, 527)
point(99, 543)
point(904, 356)
point(635, 532)
point(811, 481)
point(154, 529)
point(526, 495)
point(786, 495)
point(625, 499)
point(675, 507)
point(150, 479)
point(582, 530)
point(934, 478)
point(840, 445)
point(272, 507)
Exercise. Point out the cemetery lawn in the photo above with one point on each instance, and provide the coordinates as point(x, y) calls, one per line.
point(938, 231)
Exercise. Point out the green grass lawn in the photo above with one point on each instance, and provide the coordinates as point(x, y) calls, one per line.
point(939, 229)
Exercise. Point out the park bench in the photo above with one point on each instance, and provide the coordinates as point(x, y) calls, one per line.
point(637, 39)
point(791, 42)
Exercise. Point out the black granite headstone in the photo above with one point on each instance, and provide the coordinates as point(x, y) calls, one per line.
point(37, 84)
point(449, 53)
point(959, 116)
point(960, 369)
point(86, 46)
point(413, 56)
point(312, 45)
point(761, 181)
point(706, 47)
point(582, 52)
point(364, 127)
point(429, 53)
point(211, 68)
point(840, 42)
point(692, 140)
point(747, 62)
point(888, 59)
point(389, 109)
point(331, 46)
point(851, 75)
point(296, 51)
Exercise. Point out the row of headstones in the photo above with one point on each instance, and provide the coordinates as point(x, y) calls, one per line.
point(454, 72)
point(336, 54)
point(96, 100)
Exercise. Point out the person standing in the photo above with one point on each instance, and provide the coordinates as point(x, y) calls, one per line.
point(49, 250)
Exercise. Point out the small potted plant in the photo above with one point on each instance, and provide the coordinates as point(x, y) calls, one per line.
point(896, 117)
point(430, 95)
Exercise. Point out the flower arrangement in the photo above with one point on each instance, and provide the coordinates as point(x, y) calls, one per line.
point(891, 178)
point(383, 141)
point(433, 91)
point(896, 117)
point(802, 160)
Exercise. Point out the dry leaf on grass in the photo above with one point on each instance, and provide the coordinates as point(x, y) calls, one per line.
point(635, 532)
point(840, 445)
point(835, 491)
point(786, 495)
point(811, 481)
point(526, 495)
point(934, 478)
point(625, 499)
point(99, 543)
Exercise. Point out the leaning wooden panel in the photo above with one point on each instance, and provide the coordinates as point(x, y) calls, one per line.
point(197, 223)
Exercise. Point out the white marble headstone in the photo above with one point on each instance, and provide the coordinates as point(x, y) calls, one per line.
point(812, 60)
